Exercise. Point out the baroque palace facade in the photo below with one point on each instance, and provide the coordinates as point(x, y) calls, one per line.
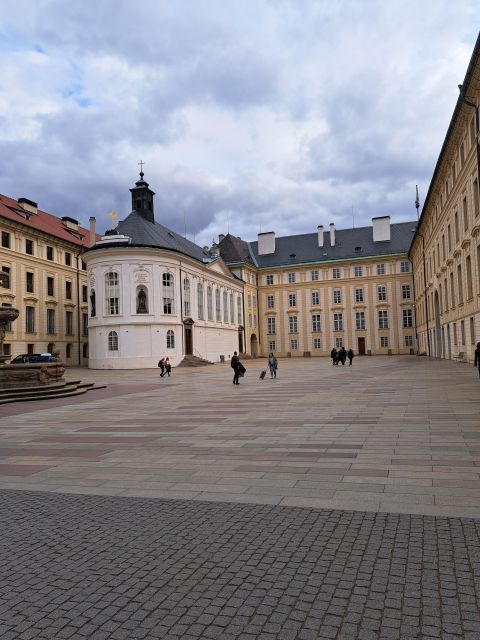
point(43, 275)
point(445, 250)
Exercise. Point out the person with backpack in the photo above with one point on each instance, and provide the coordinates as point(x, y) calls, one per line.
point(161, 364)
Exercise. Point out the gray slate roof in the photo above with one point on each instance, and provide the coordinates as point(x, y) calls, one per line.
point(306, 249)
point(152, 234)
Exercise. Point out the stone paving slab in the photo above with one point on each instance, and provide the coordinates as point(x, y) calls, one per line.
point(389, 433)
point(118, 568)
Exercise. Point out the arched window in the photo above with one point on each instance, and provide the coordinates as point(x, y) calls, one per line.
point(142, 300)
point(218, 315)
point(200, 301)
point(170, 339)
point(239, 310)
point(93, 304)
point(168, 294)
point(209, 303)
point(232, 310)
point(113, 341)
point(225, 307)
point(186, 298)
point(112, 293)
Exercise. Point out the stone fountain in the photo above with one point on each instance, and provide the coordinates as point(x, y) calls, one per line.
point(27, 375)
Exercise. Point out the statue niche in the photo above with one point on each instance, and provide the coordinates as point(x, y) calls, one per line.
point(142, 301)
point(93, 311)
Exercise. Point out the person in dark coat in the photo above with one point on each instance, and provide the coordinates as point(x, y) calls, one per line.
point(333, 355)
point(168, 366)
point(477, 358)
point(350, 357)
point(342, 356)
point(235, 364)
point(161, 364)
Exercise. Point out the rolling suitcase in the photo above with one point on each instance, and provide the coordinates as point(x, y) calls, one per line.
point(263, 374)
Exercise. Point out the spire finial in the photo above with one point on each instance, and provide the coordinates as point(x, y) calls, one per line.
point(141, 163)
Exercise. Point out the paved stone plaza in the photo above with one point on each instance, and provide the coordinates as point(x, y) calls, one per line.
point(329, 503)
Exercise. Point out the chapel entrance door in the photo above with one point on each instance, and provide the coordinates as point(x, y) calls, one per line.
point(361, 346)
point(188, 341)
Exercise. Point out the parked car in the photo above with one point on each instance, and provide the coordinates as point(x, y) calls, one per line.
point(26, 358)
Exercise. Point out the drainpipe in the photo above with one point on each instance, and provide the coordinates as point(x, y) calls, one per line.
point(79, 345)
point(415, 307)
point(181, 309)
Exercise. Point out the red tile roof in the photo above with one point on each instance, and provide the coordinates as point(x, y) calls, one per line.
point(43, 222)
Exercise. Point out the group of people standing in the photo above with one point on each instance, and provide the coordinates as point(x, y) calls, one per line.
point(165, 367)
point(341, 356)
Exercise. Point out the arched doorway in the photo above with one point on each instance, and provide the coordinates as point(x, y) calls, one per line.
point(253, 346)
point(438, 331)
point(188, 333)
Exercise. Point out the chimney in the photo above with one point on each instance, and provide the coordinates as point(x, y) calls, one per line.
point(381, 229)
point(320, 235)
point(332, 234)
point(93, 222)
point(266, 243)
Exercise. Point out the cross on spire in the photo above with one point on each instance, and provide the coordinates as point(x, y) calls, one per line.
point(141, 163)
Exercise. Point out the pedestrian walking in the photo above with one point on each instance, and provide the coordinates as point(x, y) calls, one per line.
point(168, 366)
point(342, 356)
point(272, 365)
point(350, 356)
point(161, 364)
point(477, 358)
point(236, 364)
point(333, 355)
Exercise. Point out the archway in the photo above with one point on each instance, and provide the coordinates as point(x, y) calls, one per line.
point(253, 346)
point(438, 331)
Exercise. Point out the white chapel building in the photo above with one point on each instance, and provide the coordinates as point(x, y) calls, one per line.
point(155, 294)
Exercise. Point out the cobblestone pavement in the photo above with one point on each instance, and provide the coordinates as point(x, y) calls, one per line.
point(103, 567)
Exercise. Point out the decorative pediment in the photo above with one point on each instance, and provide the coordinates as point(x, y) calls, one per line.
point(188, 322)
point(219, 266)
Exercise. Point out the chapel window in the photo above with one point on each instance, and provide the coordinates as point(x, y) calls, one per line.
point(112, 293)
point(168, 294)
point(113, 341)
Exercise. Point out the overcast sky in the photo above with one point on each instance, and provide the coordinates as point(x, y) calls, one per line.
point(250, 115)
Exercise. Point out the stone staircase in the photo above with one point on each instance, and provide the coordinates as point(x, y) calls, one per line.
point(61, 389)
point(193, 361)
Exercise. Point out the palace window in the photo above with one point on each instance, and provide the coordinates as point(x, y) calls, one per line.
point(112, 294)
point(384, 341)
point(29, 319)
point(407, 318)
point(225, 307)
point(336, 273)
point(272, 345)
point(239, 310)
point(29, 283)
point(200, 309)
point(29, 247)
point(337, 296)
point(409, 341)
point(49, 253)
point(269, 279)
point(271, 326)
point(314, 274)
point(468, 269)
point(292, 300)
point(338, 343)
point(68, 258)
point(316, 322)
point(317, 343)
point(292, 324)
point(218, 315)
point(50, 321)
point(84, 325)
point(68, 290)
point(358, 295)
point(380, 269)
point(170, 339)
point(186, 298)
point(69, 323)
point(113, 341)
point(315, 298)
point(338, 322)
point(460, 284)
point(232, 309)
point(382, 293)
point(360, 320)
point(383, 319)
point(209, 303)
point(168, 294)
point(84, 293)
point(294, 344)
point(358, 271)
point(5, 240)
point(406, 292)
point(404, 266)
point(291, 277)
point(270, 302)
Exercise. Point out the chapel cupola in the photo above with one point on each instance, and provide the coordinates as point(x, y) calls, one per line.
point(142, 198)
